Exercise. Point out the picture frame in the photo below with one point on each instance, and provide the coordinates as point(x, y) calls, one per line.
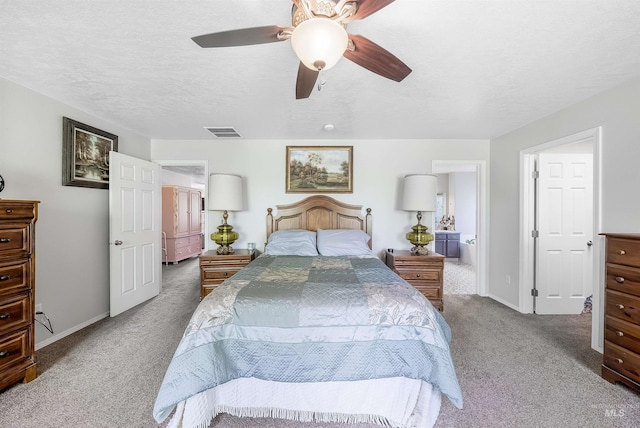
point(85, 154)
point(319, 169)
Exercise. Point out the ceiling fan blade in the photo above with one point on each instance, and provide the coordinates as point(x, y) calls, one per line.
point(241, 37)
point(376, 59)
point(306, 81)
point(369, 7)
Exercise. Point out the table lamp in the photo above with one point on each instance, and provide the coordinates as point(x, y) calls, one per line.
point(225, 194)
point(419, 194)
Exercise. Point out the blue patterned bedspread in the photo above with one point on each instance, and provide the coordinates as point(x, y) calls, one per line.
point(310, 319)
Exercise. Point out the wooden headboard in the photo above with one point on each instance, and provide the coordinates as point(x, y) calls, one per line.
point(319, 212)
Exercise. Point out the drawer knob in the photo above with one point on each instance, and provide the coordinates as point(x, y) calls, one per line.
point(9, 211)
point(417, 275)
point(4, 316)
point(622, 252)
point(5, 278)
point(619, 306)
point(619, 360)
point(225, 274)
point(5, 240)
point(4, 354)
point(619, 333)
point(619, 279)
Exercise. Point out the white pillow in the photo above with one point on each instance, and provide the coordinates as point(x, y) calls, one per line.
point(343, 242)
point(294, 242)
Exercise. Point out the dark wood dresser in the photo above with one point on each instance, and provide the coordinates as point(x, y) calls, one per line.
point(622, 310)
point(426, 273)
point(215, 268)
point(17, 288)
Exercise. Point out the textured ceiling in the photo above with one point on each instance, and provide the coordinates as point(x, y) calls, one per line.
point(480, 68)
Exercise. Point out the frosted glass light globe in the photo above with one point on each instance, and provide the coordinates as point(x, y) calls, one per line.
point(319, 43)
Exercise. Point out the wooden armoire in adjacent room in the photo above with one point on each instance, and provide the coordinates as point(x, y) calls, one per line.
point(181, 222)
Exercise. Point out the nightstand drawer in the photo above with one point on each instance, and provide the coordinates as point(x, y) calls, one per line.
point(419, 275)
point(429, 292)
point(217, 274)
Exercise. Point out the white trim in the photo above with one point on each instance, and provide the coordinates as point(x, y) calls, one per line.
point(504, 302)
point(72, 330)
point(482, 212)
point(527, 221)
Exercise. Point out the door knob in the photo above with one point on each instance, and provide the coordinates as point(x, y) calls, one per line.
point(118, 242)
point(589, 243)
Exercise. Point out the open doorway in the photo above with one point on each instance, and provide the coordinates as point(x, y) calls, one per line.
point(560, 252)
point(189, 174)
point(460, 224)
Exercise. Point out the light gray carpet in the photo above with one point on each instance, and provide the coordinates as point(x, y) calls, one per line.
point(515, 370)
point(459, 278)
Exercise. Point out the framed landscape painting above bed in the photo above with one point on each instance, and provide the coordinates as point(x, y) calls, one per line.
point(319, 169)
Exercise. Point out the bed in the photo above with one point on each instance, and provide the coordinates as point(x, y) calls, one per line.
point(315, 329)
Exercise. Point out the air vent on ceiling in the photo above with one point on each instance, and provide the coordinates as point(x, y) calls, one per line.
point(223, 132)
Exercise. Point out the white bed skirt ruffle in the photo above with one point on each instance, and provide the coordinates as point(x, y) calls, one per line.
point(392, 402)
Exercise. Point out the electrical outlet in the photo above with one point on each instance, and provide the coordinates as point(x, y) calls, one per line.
point(38, 307)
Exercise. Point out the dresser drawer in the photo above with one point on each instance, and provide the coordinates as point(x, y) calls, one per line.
point(15, 313)
point(14, 348)
point(622, 360)
point(622, 333)
point(623, 278)
point(18, 211)
point(623, 251)
point(14, 240)
point(15, 277)
point(623, 306)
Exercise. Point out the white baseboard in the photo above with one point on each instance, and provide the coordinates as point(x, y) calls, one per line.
point(504, 302)
point(72, 330)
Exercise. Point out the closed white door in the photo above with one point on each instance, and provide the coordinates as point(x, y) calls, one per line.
point(135, 200)
point(564, 258)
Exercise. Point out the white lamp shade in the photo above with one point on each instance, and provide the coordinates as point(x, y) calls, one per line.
point(319, 43)
point(420, 192)
point(225, 192)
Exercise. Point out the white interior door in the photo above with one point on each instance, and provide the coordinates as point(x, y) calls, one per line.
point(135, 204)
point(565, 224)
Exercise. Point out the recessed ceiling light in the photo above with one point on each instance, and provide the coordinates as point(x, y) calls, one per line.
point(328, 127)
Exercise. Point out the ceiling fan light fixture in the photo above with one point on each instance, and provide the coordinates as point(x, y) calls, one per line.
point(319, 43)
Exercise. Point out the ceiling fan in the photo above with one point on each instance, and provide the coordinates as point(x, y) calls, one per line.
point(319, 39)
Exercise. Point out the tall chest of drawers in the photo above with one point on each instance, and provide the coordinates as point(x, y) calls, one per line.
point(622, 310)
point(17, 282)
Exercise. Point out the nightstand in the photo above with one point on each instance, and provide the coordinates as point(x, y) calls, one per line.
point(215, 268)
point(426, 273)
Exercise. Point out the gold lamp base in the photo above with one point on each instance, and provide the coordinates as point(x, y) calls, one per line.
point(420, 238)
point(225, 237)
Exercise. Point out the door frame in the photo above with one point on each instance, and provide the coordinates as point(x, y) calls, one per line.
point(482, 212)
point(205, 165)
point(527, 224)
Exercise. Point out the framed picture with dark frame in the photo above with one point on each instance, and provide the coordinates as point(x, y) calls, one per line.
point(85, 155)
point(319, 169)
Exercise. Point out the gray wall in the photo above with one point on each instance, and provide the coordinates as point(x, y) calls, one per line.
point(72, 258)
point(618, 112)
